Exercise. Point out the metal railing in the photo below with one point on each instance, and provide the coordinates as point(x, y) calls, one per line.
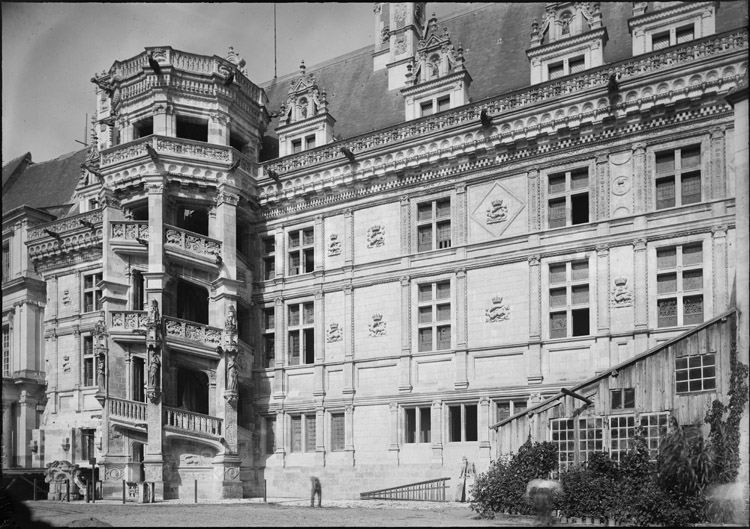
point(430, 490)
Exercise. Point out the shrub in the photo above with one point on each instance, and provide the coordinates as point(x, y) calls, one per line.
point(503, 486)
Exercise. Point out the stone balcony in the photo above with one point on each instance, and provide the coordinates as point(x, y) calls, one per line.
point(130, 326)
point(66, 235)
point(193, 247)
point(180, 159)
point(135, 415)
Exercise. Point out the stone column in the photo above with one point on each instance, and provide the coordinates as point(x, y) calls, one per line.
point(720, 270)
point(535, 322)
point(405, 358)
point(437, 433)
point(7, 459)
point(218, 128)
point(640, 294)
point(224, 229)
point(349, 333)
point(320, 342)
point(641, 194)
point(405, 226)
point(717, 179)
point(600, 187)
point(534, 212)
point(393, 448)
point(320, 427)
point(27, 421)
point(349, 433)
point(484, 431)
point(279, 349)
point(461, 381)
point(281, 436)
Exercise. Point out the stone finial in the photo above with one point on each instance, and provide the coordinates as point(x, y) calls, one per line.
point(302, 68)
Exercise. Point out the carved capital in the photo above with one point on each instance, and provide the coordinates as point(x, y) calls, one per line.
point(602, 158)
point(533, 173)
point(278, 301)
point(639, 148)
point(717, 133)
point(226, 197)
point(404, 201)
point(319, 294)
point(404, 281)
point(639, 245)
point(534, 260)
point(460, 272)
point(719, 231)
point(602, 249)
point(348, 213)
point(347, 288)
point(155, 189)
point(461, 187)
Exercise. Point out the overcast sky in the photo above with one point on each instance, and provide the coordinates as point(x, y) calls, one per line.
point(51, 51)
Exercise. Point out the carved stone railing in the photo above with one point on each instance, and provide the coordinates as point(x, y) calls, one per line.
point(129, 410)
point(189, 330)
point(129, 229)
point(191, 242)
point(192, 422)
point(128, 320)
point(651, 62)
point(67, 224)
point(186, 62)
point(197, 150)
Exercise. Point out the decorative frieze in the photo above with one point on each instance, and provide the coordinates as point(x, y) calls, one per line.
point(132, 230)
point(498, 312)
point(192, 242)
point(84, 220)
point(187, 330)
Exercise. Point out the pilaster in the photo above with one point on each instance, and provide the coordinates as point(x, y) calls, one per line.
point(279, 360)
point(461, 381)
point(393, 447)
point(602, 187)
point(349, 341)
point(640, 293)
point(349, 433)
point(484, 430)
point(535, 321)
point(640, 185)
point(720, 272)
point(405, 358)
point(320, 342)
point(534, 214)
point(437, 433)
point(460, 231)
point(405, 214)
point(717, 179)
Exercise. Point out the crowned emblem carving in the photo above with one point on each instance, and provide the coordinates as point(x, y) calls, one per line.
point(378, 326)
point(499, 311)
point(333, 334)
point(334, 245)
point(497, 212)
point(376, 236)
point(622, 296)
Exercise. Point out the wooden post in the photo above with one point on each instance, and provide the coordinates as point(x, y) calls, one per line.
point(265, 488)
point(123, 492)
point(34, 489)
point(196, 491)
point(67, 490)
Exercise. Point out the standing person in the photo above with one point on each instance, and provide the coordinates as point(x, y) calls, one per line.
point(315, 488)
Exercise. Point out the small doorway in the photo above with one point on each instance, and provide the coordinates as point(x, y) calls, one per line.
point(138, 373)
point(137, 460)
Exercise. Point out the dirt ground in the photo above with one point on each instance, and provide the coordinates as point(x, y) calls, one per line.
point(255, 513)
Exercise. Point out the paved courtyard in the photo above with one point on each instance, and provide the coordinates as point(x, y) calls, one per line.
point(254, 513)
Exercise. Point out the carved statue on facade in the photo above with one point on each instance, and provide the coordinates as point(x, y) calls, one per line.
point(621, 294)
point(377, 327)
point(153, 370)
point(334, 245)
point(100, 371)
point(333, 334)
point(376, 236)
point(499, 311)
point(230, 323)
point(498, 212)
point(153, 313)
point(231, 373)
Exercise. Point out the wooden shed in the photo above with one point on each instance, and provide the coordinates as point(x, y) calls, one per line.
point(680, 377)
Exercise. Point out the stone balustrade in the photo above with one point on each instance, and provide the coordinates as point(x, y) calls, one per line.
point(75, 222)
point(129, 230)
point(651, 62)
point(129, 410)
point(192, 242)
point(192, 422)
point(128, 320)
point(198, 150)
point(188, 330)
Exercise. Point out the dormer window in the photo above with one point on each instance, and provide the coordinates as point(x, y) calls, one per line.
point(296, 146)
point(556, 70)
point(675, 24)
point(426, 108)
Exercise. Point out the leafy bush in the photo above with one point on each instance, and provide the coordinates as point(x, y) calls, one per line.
point(503, 486)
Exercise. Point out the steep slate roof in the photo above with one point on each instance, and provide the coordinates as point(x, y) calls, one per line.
point(13, 168)
point(495, 38)
point(45, 184)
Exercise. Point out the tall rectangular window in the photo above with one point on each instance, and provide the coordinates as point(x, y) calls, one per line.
point(310, 142)
point(590, 437)
point(685, 34)
point(678, 177)
point(268, 252)
point(507, 408)
point(434, 322)
point(6, 352)
point(338, 430)
point(89, 362)
point(622, 398)
point(434, 225)
point(296, 433)
point(301, 342)
point(426, 108)
point(568, 195)
point(6, 262)
point(87, 443)
point(562, 433)
point(556, 70)
point(296, 146)
point(654, 427)
point(462, 423)
point(569, 299)
point(621, 433)
point(310, 432)
point(679, 285)
point(269, 336)
point(270, 435)
point(301, 251)
point(576, 64)
point(695, 373)
point(659, 40)
point(92, 295)
point(418, 428)
point(444, 103)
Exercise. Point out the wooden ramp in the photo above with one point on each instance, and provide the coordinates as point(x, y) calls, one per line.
point(430, 490)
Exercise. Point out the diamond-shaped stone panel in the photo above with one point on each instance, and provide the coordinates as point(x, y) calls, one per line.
point(491, 223)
